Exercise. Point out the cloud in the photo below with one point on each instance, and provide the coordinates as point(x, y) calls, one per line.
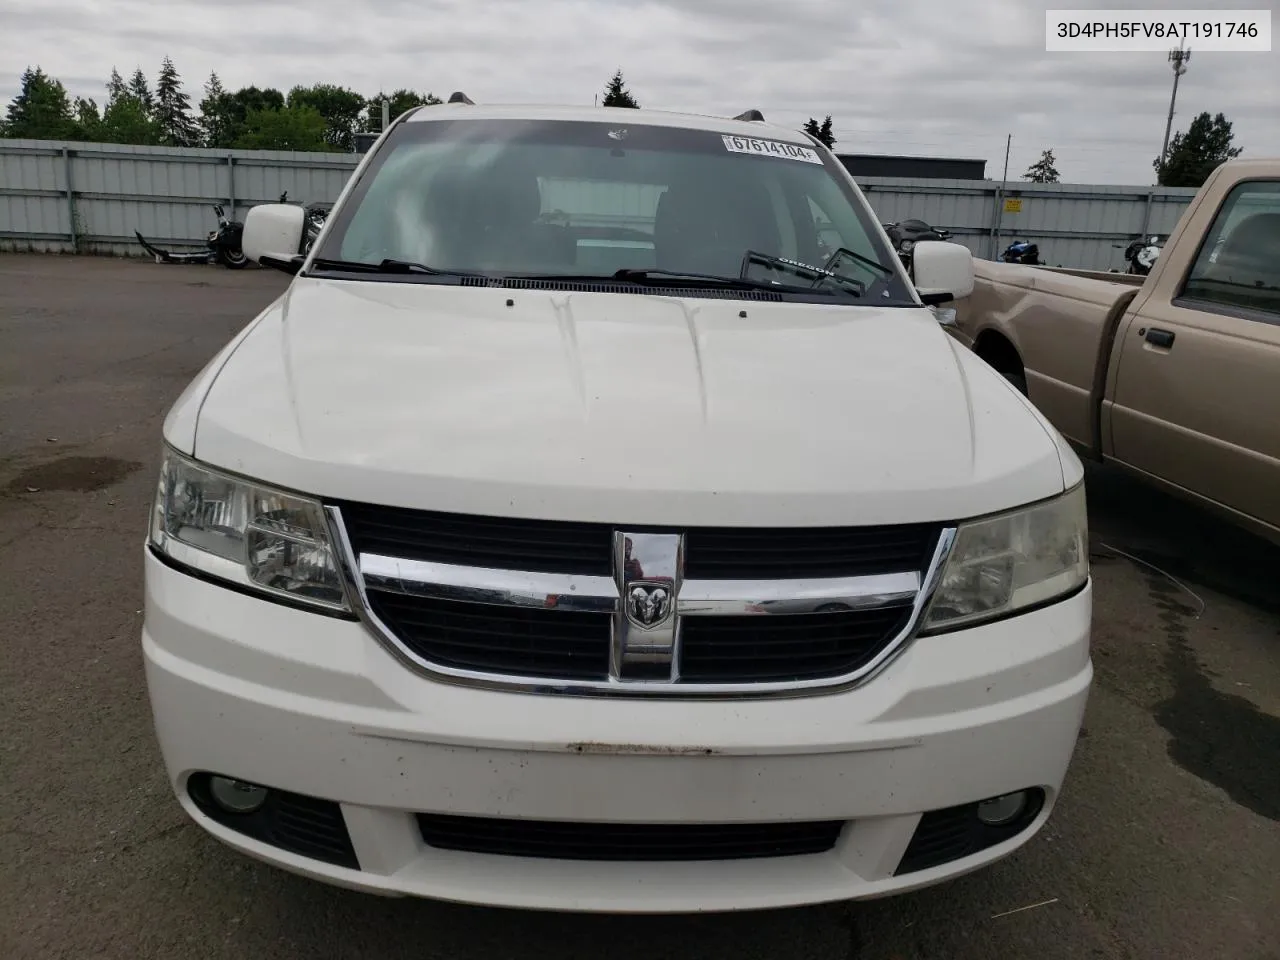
point(922, 77)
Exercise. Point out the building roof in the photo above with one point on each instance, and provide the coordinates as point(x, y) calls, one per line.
point(897, 156)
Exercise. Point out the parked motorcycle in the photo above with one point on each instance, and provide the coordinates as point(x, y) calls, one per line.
point(316, 215)
point(223, 245)
point(1141, 254)
point(1022, 251)
point(905, 234)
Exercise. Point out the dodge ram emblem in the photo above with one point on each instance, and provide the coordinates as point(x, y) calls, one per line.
point(648, 604)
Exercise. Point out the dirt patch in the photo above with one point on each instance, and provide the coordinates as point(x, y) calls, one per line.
point(81, 474)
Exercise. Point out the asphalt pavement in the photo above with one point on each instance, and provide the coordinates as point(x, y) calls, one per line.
point(1166, 843)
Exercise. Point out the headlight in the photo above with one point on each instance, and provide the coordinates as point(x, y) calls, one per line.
point(249, 535)
point(1002, 564)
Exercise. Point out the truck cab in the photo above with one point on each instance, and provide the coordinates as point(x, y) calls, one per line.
point(1175, 378)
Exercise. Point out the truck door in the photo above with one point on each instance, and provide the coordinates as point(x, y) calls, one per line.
point(1196, 396)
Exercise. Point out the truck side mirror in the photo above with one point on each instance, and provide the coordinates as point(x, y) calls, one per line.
point(942, 271)
point(273, 236)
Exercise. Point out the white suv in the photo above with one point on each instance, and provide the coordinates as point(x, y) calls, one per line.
point(602, 520)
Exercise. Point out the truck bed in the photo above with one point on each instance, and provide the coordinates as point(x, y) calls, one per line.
point(1063, 321)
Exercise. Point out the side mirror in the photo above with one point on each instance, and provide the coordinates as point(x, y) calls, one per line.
point(273, 235)
point(942, 271)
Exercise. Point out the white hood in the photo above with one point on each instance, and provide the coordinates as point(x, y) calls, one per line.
point(620, 408)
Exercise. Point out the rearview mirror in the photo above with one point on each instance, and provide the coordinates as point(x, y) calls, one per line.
point(273, 235)
point(942, 271)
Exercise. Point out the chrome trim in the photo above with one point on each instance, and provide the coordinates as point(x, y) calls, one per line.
point(614, 688)
point(567, 592)
point(646, 627)
point(785, 597)
point(446, 581)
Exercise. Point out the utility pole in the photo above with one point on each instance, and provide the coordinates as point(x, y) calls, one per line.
point(1179, 58)
point(386, 112)
point(1004, 180)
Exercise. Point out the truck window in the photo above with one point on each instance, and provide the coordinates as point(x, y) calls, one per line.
point(1238, 268)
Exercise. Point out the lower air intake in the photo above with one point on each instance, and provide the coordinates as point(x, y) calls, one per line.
point(627, 841)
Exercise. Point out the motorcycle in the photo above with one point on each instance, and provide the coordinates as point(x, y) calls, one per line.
point(316, 214)
point(1022, 251)
point(1141, 254)
point(223, 245)
point(905, 234)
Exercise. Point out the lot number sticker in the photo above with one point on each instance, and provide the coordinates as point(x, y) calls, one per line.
point(771, 148)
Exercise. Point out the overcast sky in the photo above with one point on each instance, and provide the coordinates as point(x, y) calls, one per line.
point(917, 77)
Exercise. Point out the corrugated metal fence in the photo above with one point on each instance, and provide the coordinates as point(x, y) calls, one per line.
point(89, 198)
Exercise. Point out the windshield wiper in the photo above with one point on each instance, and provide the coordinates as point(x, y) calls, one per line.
point(814, 274)
point(649, 276)
point(645, 274)
point(387, 265)
point(831, 261)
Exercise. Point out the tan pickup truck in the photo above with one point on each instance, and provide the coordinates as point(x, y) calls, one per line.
point(1175, 376)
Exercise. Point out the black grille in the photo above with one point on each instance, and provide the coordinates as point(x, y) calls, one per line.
point(531, 642)
point(304, 825)
point(614, 841)
point(495, 542)
point(711, 553)
point(806, 646)
point(746, 553)
point(956, 832)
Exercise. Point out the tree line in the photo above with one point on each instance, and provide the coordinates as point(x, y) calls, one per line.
point(327, 117)
point(1190, 158)
point(323, 117)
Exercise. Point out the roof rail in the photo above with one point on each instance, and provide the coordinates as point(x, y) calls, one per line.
point(751, 116)
point(459, 97)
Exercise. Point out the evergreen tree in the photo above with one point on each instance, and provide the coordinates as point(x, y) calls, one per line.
point(216, 120)
point(88, 120)
point(140, 91)
point(115, 87)
point(41, 110)
point(821, 131)
point(1197, 153)
point(126, 120)
point(173, 109)
point(1043, 170)
point(616, 93)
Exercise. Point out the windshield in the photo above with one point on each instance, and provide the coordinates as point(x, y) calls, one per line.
point(579, 200)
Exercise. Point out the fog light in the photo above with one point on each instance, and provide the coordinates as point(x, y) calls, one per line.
point(998, 811)
point(236, 796)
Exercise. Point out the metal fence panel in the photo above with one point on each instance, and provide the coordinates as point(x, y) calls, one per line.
point(87, 197)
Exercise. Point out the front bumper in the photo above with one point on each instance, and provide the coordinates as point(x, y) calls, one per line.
point(314, 705)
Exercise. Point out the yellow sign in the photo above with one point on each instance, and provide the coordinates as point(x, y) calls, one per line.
point(1013, 205)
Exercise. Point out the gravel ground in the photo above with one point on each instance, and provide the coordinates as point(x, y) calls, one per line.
point(1165, 844)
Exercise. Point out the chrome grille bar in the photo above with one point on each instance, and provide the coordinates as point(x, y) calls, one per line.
point(444, 581)
point(542, 594)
